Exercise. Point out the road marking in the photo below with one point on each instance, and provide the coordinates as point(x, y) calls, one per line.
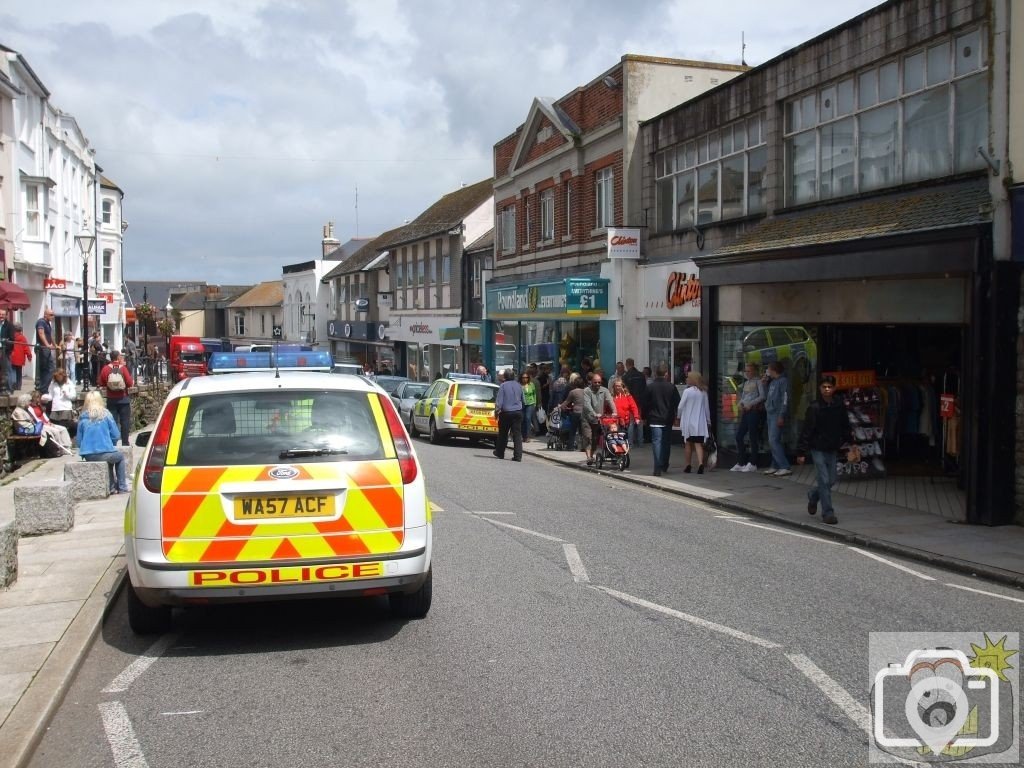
point(676, 498)
point(787, 533)
point(691, 619)
point(579, 573)
point(983, 592)
point(470, 512)
point(434, 507)
point(121, 736)
point(186, 712)
point(134, 670)
point(852, 708)
point(523, 530)
point(897, 566)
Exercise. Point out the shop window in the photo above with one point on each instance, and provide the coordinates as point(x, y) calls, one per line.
point(673, 344)
point(834, 149)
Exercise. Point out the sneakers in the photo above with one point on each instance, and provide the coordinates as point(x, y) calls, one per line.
point(783, 473)
point(769, 471)
point(749, 468)
point(739, 468)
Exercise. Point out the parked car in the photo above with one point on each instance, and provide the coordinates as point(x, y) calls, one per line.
point(405, 397)
point(389, 383)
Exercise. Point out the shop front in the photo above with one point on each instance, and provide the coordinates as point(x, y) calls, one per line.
point(550, 323)
point(907, 325)
point(365, 342)
point(668, 328)
point(424, 350)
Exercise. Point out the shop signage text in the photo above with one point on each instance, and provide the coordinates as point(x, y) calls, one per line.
point(54, 284)
point(682, 289)
point(853, 379)
point(624, 243)
point(419, 328)
point(573, 296)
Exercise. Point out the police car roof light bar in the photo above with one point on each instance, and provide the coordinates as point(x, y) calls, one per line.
point(242, 362)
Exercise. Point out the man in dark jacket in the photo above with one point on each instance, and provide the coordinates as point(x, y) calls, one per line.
point(637, 386)
point(826, 428)
point(660, 403)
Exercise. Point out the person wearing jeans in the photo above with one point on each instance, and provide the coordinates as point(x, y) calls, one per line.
point(826, 428)
point(530, 390)
point(777, 409)
point(661, 400)
point(752, 397)
point(97, 440)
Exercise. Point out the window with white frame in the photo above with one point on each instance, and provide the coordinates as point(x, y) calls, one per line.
point(547, 214)
point(263, 324)
point(108, 207)
point(921, 116)
point(432, 260)
point(720, 175)
point(568, 209)
point(446, 268)
point(108, 266)
point(508, 228)
point(478, 278)
point(604, 189)
point(239, 323)
point(33, 226)
point(419, 265)
point(529, 221)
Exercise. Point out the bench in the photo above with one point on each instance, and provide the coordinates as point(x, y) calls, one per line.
point(19, 447)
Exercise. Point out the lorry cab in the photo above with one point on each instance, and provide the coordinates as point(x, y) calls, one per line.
point(187, 357)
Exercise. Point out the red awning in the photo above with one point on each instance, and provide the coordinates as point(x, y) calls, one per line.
point(12, 297)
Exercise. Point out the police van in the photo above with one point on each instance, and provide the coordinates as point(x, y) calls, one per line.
point(276, 482)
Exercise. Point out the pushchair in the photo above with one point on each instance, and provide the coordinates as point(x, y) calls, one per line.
point(560, 431)
point(614, 447)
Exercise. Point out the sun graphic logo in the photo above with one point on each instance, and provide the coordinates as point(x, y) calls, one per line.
point(532, 298)
point(944, 697)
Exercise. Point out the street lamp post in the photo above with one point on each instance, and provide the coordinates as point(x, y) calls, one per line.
point(85, 241)
point(169, 309)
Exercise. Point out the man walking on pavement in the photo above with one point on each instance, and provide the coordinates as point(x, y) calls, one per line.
point(47, 351)
point(661, 401)
point(508, 407)
point(826, 428)
point(776, 408)
point(115, 379)
point(597, 401)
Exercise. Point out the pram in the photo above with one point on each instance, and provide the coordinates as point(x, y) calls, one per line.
point(560, 430)
point(614, 447)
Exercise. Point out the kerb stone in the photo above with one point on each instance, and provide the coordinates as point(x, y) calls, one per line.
point(88, 479)
point(43, 508)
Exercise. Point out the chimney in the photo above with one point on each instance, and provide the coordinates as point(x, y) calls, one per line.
point(330, 242)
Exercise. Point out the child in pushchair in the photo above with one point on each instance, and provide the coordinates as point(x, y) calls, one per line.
point(614, 446)
point(560, 431)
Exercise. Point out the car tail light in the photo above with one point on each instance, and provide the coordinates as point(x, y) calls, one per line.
point(403, 448)
point(153, 472)
point(451, 395)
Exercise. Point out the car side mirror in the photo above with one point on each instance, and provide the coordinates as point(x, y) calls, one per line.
point(142, 439)
point(420, 395)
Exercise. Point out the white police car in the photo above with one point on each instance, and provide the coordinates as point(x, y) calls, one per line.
point(274, 483)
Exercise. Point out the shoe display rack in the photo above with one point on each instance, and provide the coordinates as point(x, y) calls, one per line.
point(863, 405)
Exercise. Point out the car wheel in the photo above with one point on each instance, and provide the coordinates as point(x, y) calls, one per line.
point(415, 605)
point(144, 619)
point(435, 436)
point(412, 427)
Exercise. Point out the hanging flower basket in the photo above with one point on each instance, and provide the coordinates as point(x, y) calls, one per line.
point(165, 327)
point(145, 311)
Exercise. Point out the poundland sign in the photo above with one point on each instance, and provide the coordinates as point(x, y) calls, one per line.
point(570, 297)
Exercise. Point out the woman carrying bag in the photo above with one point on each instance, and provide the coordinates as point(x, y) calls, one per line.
point(694, 419)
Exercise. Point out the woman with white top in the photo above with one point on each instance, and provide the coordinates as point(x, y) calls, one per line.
point(61, 398)
point(694, 419)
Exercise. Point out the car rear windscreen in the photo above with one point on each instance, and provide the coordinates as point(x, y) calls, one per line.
point(478, 393)
point(277, 426)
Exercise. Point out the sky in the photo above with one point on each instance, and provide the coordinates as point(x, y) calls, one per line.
point(238, 128)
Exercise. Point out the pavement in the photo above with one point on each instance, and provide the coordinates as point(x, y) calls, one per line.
point(68, 581)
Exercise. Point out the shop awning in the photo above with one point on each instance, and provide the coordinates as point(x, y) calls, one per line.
point(12, 296)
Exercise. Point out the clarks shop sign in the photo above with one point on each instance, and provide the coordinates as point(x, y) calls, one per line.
point(570, 297)
point(671, 290)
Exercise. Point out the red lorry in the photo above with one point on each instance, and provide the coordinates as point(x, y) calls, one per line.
point(187, 357)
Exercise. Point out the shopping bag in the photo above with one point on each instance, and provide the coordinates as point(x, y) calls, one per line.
point(711, 449)
point(542, 415)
